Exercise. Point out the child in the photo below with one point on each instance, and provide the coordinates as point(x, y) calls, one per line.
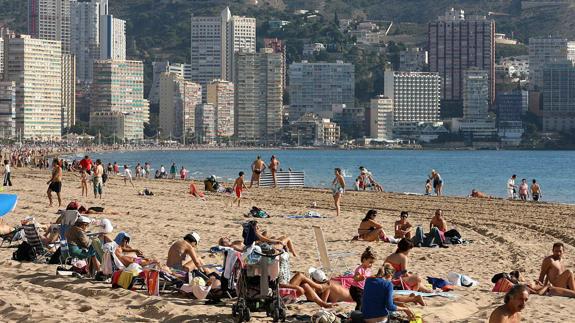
point(239, 185)
point(84, 182)
point(362, 272)
point(127, 176)
point(428, 187)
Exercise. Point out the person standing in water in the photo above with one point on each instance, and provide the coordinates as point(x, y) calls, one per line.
point(535, 191)
point(338, 188)
point(274, 167)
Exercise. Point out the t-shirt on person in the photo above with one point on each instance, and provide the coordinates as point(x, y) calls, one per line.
point(365, 272)
point(377, 298)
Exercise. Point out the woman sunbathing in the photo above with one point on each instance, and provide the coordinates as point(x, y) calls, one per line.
point(402, 277)
point(369, 230)
point(280, 243)
point(237, 245)
point(128, 255)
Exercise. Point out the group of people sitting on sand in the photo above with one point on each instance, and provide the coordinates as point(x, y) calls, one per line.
point(370, 230)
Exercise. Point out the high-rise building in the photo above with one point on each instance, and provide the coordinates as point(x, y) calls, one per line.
point(160, 67)
point(475, 94)
point(7, 109)
point(381, 118)
point(413, 60)
point(321, 88)
point(456, 43)
point(85, 37)
point(35, 65)
point(221, 97)
point(50, 20)
point(278, 46)
point(179, 100)
point(112, 38)
point(1, 56)
point(415, 95)
point(68, 91)
point(206, 123)
point(558, 108)
point(118, 86)
point(259, 96)
point(214, 42)
point(543, 51)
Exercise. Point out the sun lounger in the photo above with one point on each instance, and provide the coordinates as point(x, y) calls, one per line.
point(324, 256)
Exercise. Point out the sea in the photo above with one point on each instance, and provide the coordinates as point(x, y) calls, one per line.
point(403, 171)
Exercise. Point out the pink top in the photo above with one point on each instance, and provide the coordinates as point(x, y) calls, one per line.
point(523, 188)
point(365, 272)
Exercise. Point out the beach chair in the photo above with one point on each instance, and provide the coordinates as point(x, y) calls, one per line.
point(324, 255)
point(67, 220)
point(33, 238)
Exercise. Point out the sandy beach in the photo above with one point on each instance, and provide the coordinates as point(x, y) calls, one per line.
point(506, 235)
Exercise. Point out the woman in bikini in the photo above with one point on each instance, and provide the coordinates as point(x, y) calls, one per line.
point(369, 230)
point(338, 187)
point(402, 277)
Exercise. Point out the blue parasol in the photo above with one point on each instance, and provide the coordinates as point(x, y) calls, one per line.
point(7, 203)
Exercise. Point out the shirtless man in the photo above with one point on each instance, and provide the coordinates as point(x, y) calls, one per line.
point(553, 270)
point(258, 167)
point(183, 255)
point(274, 166)
point(403, 227)
point(438, 221)
point(514, 303)
point(478, 194)
point(55, 182)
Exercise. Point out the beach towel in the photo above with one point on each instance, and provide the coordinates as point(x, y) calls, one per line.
point(410, 292)
point(152, 282)
point(345, 281)
point(307, 215)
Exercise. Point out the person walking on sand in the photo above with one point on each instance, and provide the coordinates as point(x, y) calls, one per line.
point(338, 188)
point(511, 188)
point(514, 302)
point(274, 166)
point(7, 173)
point(84, 182)
point(55, 182)
point(258, 167)
point(97, 179)
point(535, 191)
point(128, 176)
point(239, 185)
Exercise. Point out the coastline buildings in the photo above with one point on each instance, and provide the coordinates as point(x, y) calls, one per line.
point(68, 91)
point(476, 122)
point(381, 118)
point(214, 42)
point(413, 60)
point(221, 97)
point(85, 37)
point(118, 105)
point(311, 130)
point(321, 88)
point(35, 66)
point(456, 43)
point(558, 108)
point(206, 124)
point(112, 38)
point(160, 67)
point(415, 96)
point(546, 50)
point(50, 20)
point(179, 100)
point(7, 109)
point(259, 96)
point(511, 106)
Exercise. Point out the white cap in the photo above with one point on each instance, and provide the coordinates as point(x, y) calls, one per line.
point(84, 219)
point(106, 226)
point(317, 275)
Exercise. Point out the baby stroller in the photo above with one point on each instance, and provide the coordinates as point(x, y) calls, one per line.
point(258, 284)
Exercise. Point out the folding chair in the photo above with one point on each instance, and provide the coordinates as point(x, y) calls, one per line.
point(324, 256)
point(67, 220)
point(33, 238)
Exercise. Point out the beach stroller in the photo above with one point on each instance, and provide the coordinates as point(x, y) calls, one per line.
point(258, 282)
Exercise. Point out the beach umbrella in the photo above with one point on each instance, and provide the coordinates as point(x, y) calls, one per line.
point(7, 203)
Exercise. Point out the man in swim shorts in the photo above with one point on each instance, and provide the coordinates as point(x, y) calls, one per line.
point(55, 182)
point(239, 185)
point(258, 167)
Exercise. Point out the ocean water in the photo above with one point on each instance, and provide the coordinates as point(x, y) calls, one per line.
point(398, 171)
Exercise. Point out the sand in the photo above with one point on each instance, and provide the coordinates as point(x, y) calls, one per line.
point(506, 236)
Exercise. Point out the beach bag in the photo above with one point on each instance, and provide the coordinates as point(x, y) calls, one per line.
point(25, 252)
point(419, 237)
point(503, 285)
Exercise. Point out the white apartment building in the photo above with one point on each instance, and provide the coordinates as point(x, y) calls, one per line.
point(50, 20)
point(214, 41)
point(320, 88)
point(112, 38)
point(68, 90)
point(206, 124)
point(179, 99)
point(85, 37)
point(221, 96)
point(259, 96)
point(160, 67)
point(415, 95)
point(381, 118)
point(7, 109)
point(35, 65)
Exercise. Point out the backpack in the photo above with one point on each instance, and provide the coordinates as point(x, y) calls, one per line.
point(25, 252)
point(419, 237)
point(248, 233)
